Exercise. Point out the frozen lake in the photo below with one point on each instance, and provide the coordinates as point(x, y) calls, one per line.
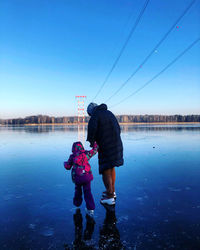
point(158, 190)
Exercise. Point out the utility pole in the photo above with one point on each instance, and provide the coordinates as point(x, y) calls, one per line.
point(81, 117)
point(81, 107)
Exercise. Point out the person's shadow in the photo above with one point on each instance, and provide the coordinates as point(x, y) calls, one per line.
point(81, 238)
point(109, 237)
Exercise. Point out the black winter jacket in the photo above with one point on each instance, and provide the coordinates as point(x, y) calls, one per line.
point(103, 128)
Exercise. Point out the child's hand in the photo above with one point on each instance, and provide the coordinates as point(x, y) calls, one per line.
point(93, 151)
point(67, 166)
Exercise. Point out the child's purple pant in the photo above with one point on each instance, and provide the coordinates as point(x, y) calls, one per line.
point(87, 195)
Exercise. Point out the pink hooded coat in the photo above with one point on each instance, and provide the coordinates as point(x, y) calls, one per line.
point(78, 161)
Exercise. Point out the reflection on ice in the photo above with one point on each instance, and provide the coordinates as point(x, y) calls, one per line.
point(47, 231)
point(139, 199)
point(32, 226)
point(19, 196)
point(174, 189)
point(8, 197)
point(109, 236)
point(82, 239)
point(123, 218)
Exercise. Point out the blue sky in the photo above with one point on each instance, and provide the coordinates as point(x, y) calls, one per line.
point(51, 51)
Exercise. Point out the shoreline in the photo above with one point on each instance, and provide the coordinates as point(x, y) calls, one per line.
point(85, 124)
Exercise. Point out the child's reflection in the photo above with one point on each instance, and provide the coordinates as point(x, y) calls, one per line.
point(80, 237)
point(109, 235)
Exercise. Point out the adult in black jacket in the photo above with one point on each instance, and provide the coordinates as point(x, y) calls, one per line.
point(103, 128)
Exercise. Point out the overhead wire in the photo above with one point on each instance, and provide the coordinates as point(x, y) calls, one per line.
point(123, 30)
point(153, 50)
point(162, 71)
point(123, 47)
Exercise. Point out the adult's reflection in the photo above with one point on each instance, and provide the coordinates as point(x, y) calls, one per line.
point(81, 239)
point(109, 235)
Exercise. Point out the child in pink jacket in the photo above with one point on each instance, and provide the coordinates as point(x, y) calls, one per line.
point(82, 174)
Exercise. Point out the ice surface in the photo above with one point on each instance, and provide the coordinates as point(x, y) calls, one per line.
point(47, 231)
point(158, 191)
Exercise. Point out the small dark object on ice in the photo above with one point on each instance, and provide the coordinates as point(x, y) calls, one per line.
point(153, 147)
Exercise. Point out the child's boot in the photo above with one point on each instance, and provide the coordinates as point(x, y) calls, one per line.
point(90, 212)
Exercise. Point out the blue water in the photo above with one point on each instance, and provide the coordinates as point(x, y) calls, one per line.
point(158, 201)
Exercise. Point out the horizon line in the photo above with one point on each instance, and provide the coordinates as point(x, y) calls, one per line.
point(89, 116)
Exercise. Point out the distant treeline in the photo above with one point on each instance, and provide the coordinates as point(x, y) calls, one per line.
point(44, 119)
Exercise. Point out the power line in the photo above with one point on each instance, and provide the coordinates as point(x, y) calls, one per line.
point(153, 50)
point(122, 31)
point(163, 70)
point(124, 46)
